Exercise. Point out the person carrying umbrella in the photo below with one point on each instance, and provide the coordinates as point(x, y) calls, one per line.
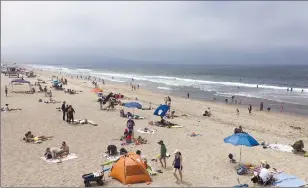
point(130, 125)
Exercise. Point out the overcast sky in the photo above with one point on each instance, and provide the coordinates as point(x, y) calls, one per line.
point(181, 32)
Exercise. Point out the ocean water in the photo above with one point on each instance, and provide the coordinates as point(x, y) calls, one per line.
point(206, 81)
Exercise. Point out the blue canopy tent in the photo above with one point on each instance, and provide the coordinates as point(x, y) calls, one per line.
point(161, 110)
point(20, 81)
point(241, 139)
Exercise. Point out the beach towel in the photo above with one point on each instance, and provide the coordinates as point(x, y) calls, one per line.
point(112, 158)
point(138, 117)
point(194, 134)
point(146, 131)
point(287, 180)
point(280, 147)
point(84, 121)
point(69, 157)
point(151, 170)
point(176, 126)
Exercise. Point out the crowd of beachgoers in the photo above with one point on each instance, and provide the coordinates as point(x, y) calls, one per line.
point(166, 138)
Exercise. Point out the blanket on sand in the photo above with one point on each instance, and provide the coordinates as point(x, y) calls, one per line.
point(69, 157)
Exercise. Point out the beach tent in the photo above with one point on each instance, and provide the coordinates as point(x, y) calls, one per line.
point(130, 169)
point(20, 81)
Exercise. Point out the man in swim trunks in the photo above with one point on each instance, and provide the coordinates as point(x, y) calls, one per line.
point(163, 153)
point(64, 150)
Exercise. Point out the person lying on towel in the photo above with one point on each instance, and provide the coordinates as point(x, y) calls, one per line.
point(30, 138)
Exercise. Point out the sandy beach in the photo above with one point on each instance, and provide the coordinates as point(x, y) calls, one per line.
point(205, 158)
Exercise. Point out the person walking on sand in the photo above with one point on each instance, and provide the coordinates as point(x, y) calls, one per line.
point(63, 110)
point(188, 95)
point(261, 106)
point(177, 164)
point(5, 90)
point(130, 125)
point(70, 113)
point(249, 108)
point(163, 154)
point(281, 108)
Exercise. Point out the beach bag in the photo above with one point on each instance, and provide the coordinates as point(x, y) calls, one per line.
point(123, 151)
point(112, 150)
point(242, 170)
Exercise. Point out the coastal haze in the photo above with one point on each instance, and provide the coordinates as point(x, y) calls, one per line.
point(254, 51)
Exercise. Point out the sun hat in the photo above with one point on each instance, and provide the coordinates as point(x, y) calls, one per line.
point(160, 142)
point(176, 151)
point(264, 162)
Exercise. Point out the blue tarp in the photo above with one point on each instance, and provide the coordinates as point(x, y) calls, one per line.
point(161, 110)
point(287, 180)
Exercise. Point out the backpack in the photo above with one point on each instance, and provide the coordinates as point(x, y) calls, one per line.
point(242, 170)
point(123, 151)
point(112, 150)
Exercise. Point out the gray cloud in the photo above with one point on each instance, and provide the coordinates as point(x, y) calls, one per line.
point(156, 31)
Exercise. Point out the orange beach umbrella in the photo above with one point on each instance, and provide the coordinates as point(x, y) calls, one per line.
point(97, 90)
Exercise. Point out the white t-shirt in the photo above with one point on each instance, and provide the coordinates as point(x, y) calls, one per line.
point(265, 174)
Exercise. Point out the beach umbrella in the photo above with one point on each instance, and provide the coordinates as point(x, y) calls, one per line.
point(241, 139)
point(161, 110)
point(133, 105)
point(97, 90)
point(107, 98)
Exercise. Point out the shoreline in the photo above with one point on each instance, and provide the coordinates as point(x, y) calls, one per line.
point(205, 157)
point(289, 108)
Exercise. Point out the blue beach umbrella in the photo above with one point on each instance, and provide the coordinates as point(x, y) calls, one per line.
point(161, 110)
point(133, 105)
point(241, 139)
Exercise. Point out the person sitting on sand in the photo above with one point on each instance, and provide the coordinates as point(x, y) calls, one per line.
point(238, 130)
point(298, 146)
point(122, 114)
point(129, 115)
point(64, 150)
point(207, 113)
point(48, 154)
point(265, 175)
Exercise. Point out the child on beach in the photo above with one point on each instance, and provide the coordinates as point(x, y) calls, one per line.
point(48, 154)
point(129, 137)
